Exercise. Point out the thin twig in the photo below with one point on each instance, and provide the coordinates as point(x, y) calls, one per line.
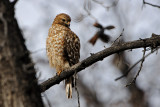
point(117, 38)
point(144, 2)
point(89, 95)
point(128, 71)
point(34, 52)
point(100, 3)
point(78, 98)
point(99, 56)
point(87, 8)
point(48, 102)
point(107, 7)
point(134, 79)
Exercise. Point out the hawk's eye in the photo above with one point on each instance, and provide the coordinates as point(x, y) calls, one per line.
point(63, 20)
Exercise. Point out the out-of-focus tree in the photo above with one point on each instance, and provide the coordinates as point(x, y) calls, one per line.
point(18, 85)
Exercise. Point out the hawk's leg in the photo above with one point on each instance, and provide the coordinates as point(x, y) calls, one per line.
point(59, 72)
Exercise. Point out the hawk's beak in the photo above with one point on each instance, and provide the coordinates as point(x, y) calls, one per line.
point(68, 24)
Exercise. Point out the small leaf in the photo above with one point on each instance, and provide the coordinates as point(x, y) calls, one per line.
point(109, 27)
point(96, 24)
point(94, 39)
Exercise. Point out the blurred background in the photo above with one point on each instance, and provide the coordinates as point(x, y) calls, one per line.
point(103, 20)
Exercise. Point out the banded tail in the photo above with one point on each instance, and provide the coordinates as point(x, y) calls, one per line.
point(68, 85)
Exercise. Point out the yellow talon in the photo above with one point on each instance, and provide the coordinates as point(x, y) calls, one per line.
point(59, 72)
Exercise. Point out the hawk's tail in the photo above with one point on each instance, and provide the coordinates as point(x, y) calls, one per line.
point(68, 85)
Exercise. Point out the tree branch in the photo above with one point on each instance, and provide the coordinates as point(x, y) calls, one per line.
point(144, 2)
point(128, 71)
point(135, 78)
point(153, 42)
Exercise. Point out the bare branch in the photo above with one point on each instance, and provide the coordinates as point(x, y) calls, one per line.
point(134, 79)
point(103, 5)
point(144, 2)
point(75, 83)
point(127, 72)
point(78, 98)
point(87, 8)
point(118, 38)
point(39, 50)
point(48, 102)
point(89, 94)
point(148, 42)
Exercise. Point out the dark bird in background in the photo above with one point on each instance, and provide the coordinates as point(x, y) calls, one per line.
point(100, 33)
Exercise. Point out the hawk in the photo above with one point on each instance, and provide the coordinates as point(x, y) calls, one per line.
point(63, 48)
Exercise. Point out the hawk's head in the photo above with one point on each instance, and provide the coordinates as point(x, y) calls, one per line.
point(62, 19)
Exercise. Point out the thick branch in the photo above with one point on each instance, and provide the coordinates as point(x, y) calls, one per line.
point(149, 42)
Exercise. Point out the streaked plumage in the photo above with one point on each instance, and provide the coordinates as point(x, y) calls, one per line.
point(63, 47)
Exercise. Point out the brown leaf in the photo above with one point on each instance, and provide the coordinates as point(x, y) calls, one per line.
point(96, 24)
point(109, 27)
point(105, 38)
point(94, 38)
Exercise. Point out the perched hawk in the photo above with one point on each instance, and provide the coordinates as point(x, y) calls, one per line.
point(63, 48)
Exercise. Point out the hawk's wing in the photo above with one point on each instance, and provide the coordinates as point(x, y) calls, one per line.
point(49, 46)
point(72, 48)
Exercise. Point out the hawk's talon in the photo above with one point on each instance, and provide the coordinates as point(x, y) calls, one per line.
point(58, 73)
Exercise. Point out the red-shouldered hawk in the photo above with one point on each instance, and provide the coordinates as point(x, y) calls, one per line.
point(63, 48)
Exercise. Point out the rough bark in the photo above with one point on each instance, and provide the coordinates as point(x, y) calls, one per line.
point(18, 84)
